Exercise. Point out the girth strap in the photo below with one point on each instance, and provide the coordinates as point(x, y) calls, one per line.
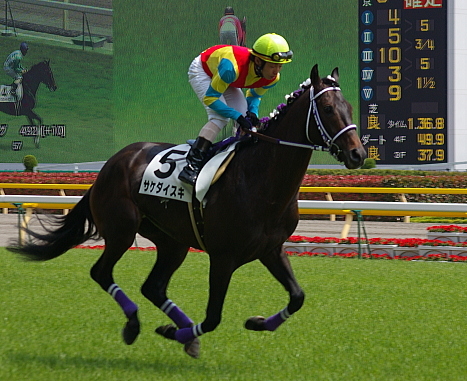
point(195, 209)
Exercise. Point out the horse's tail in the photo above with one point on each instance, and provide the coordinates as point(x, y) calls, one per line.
point(70, 230)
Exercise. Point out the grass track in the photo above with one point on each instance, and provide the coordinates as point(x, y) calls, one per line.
point(362, 320)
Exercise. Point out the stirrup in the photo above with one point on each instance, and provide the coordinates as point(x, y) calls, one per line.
point(187, 178)
point(189, 175)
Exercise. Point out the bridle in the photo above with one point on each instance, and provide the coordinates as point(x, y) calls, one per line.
point(43, 73)
point(329, 142)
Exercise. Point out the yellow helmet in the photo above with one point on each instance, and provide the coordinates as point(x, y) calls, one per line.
point(272, 48)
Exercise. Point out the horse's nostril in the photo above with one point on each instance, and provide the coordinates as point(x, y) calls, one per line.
point(357, 157)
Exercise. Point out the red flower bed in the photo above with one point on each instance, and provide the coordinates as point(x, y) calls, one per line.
point(46, 178)
point(403, 242)
point(447, 229)
point(411, 242)
point(391, 181)
point(346, 181)
point(354, 255)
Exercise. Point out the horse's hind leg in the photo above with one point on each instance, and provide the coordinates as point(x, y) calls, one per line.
point(221, 270)
point(32, 117)
point(278, 265)
point(170, 255)
point(119, 235)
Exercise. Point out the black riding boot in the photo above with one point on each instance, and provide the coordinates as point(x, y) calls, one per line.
point(196, 159)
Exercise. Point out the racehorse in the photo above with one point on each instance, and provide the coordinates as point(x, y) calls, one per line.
point(247, 214)
point(37, 74)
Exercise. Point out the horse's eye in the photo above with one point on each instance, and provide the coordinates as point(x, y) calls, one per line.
point(327, 109)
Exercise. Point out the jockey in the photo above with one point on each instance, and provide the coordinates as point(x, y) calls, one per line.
point(217, 76)
point(231, 30)
point(13, 65)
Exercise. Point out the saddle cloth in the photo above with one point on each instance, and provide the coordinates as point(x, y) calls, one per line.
point(161, 175)
point(7, 96)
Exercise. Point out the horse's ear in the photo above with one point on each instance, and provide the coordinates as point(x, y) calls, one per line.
point(314, 76)
point(335, 74)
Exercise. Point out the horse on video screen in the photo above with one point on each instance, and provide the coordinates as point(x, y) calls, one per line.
point(37, 74)
point(246, 215)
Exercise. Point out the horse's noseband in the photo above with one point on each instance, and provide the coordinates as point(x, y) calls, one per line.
point(330, 145)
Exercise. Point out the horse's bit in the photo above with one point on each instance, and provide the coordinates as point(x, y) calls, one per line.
point(330, 147)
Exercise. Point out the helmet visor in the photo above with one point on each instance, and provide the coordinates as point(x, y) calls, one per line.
point(279, 57)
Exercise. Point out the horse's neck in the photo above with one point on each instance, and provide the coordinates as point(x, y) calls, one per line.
point(288, 163)
point(31, 81)
point(292, 125)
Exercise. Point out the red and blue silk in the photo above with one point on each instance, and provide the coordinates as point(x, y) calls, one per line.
point(230, 65)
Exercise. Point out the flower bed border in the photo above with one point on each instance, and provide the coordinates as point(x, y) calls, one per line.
point(408, 249)
point(437, 251)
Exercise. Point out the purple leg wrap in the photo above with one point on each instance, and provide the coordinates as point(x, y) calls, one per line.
point(185, 335)
point(128, 307)
point(176, 314)
point(273, 322)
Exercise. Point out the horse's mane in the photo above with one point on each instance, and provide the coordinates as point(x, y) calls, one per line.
point(43, 62)
point(282, 108)
point(276, 114)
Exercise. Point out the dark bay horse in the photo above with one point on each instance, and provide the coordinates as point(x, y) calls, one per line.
point(37, 74)
point(248, 213)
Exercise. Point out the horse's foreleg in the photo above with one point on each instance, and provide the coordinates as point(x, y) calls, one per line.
point(32, 117)
point(279, 266)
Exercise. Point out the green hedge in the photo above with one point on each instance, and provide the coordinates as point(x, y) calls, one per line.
point(384, 179)
point(380, 172)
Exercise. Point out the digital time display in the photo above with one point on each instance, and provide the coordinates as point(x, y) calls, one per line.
point(403, 80)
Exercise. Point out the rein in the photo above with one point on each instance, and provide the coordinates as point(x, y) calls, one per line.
point(329, 142)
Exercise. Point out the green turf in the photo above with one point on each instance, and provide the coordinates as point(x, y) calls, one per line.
point(362, 320)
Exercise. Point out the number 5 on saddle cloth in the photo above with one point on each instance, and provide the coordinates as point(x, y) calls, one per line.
point(161, 175)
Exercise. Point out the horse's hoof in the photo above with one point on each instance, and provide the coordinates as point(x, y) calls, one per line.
point(192, 348)
point(168, 331)
point(255, 323)
point(131, 329)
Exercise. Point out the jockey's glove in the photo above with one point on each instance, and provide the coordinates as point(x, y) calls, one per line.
point(244, 123)
point(253, 118)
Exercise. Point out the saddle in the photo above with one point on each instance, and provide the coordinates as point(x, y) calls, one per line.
point(161, 175)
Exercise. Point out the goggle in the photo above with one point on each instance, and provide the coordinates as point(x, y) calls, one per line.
point(277, 57)
point(281, 56)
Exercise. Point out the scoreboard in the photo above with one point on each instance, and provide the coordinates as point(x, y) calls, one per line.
point(403, 80)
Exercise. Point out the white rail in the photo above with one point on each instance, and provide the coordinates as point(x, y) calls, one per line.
point(348, 208)
point(384, 206)
point(68, 6)
point(30, 199)
point(302, 204)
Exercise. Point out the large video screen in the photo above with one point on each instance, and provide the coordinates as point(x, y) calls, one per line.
point(135, 86)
